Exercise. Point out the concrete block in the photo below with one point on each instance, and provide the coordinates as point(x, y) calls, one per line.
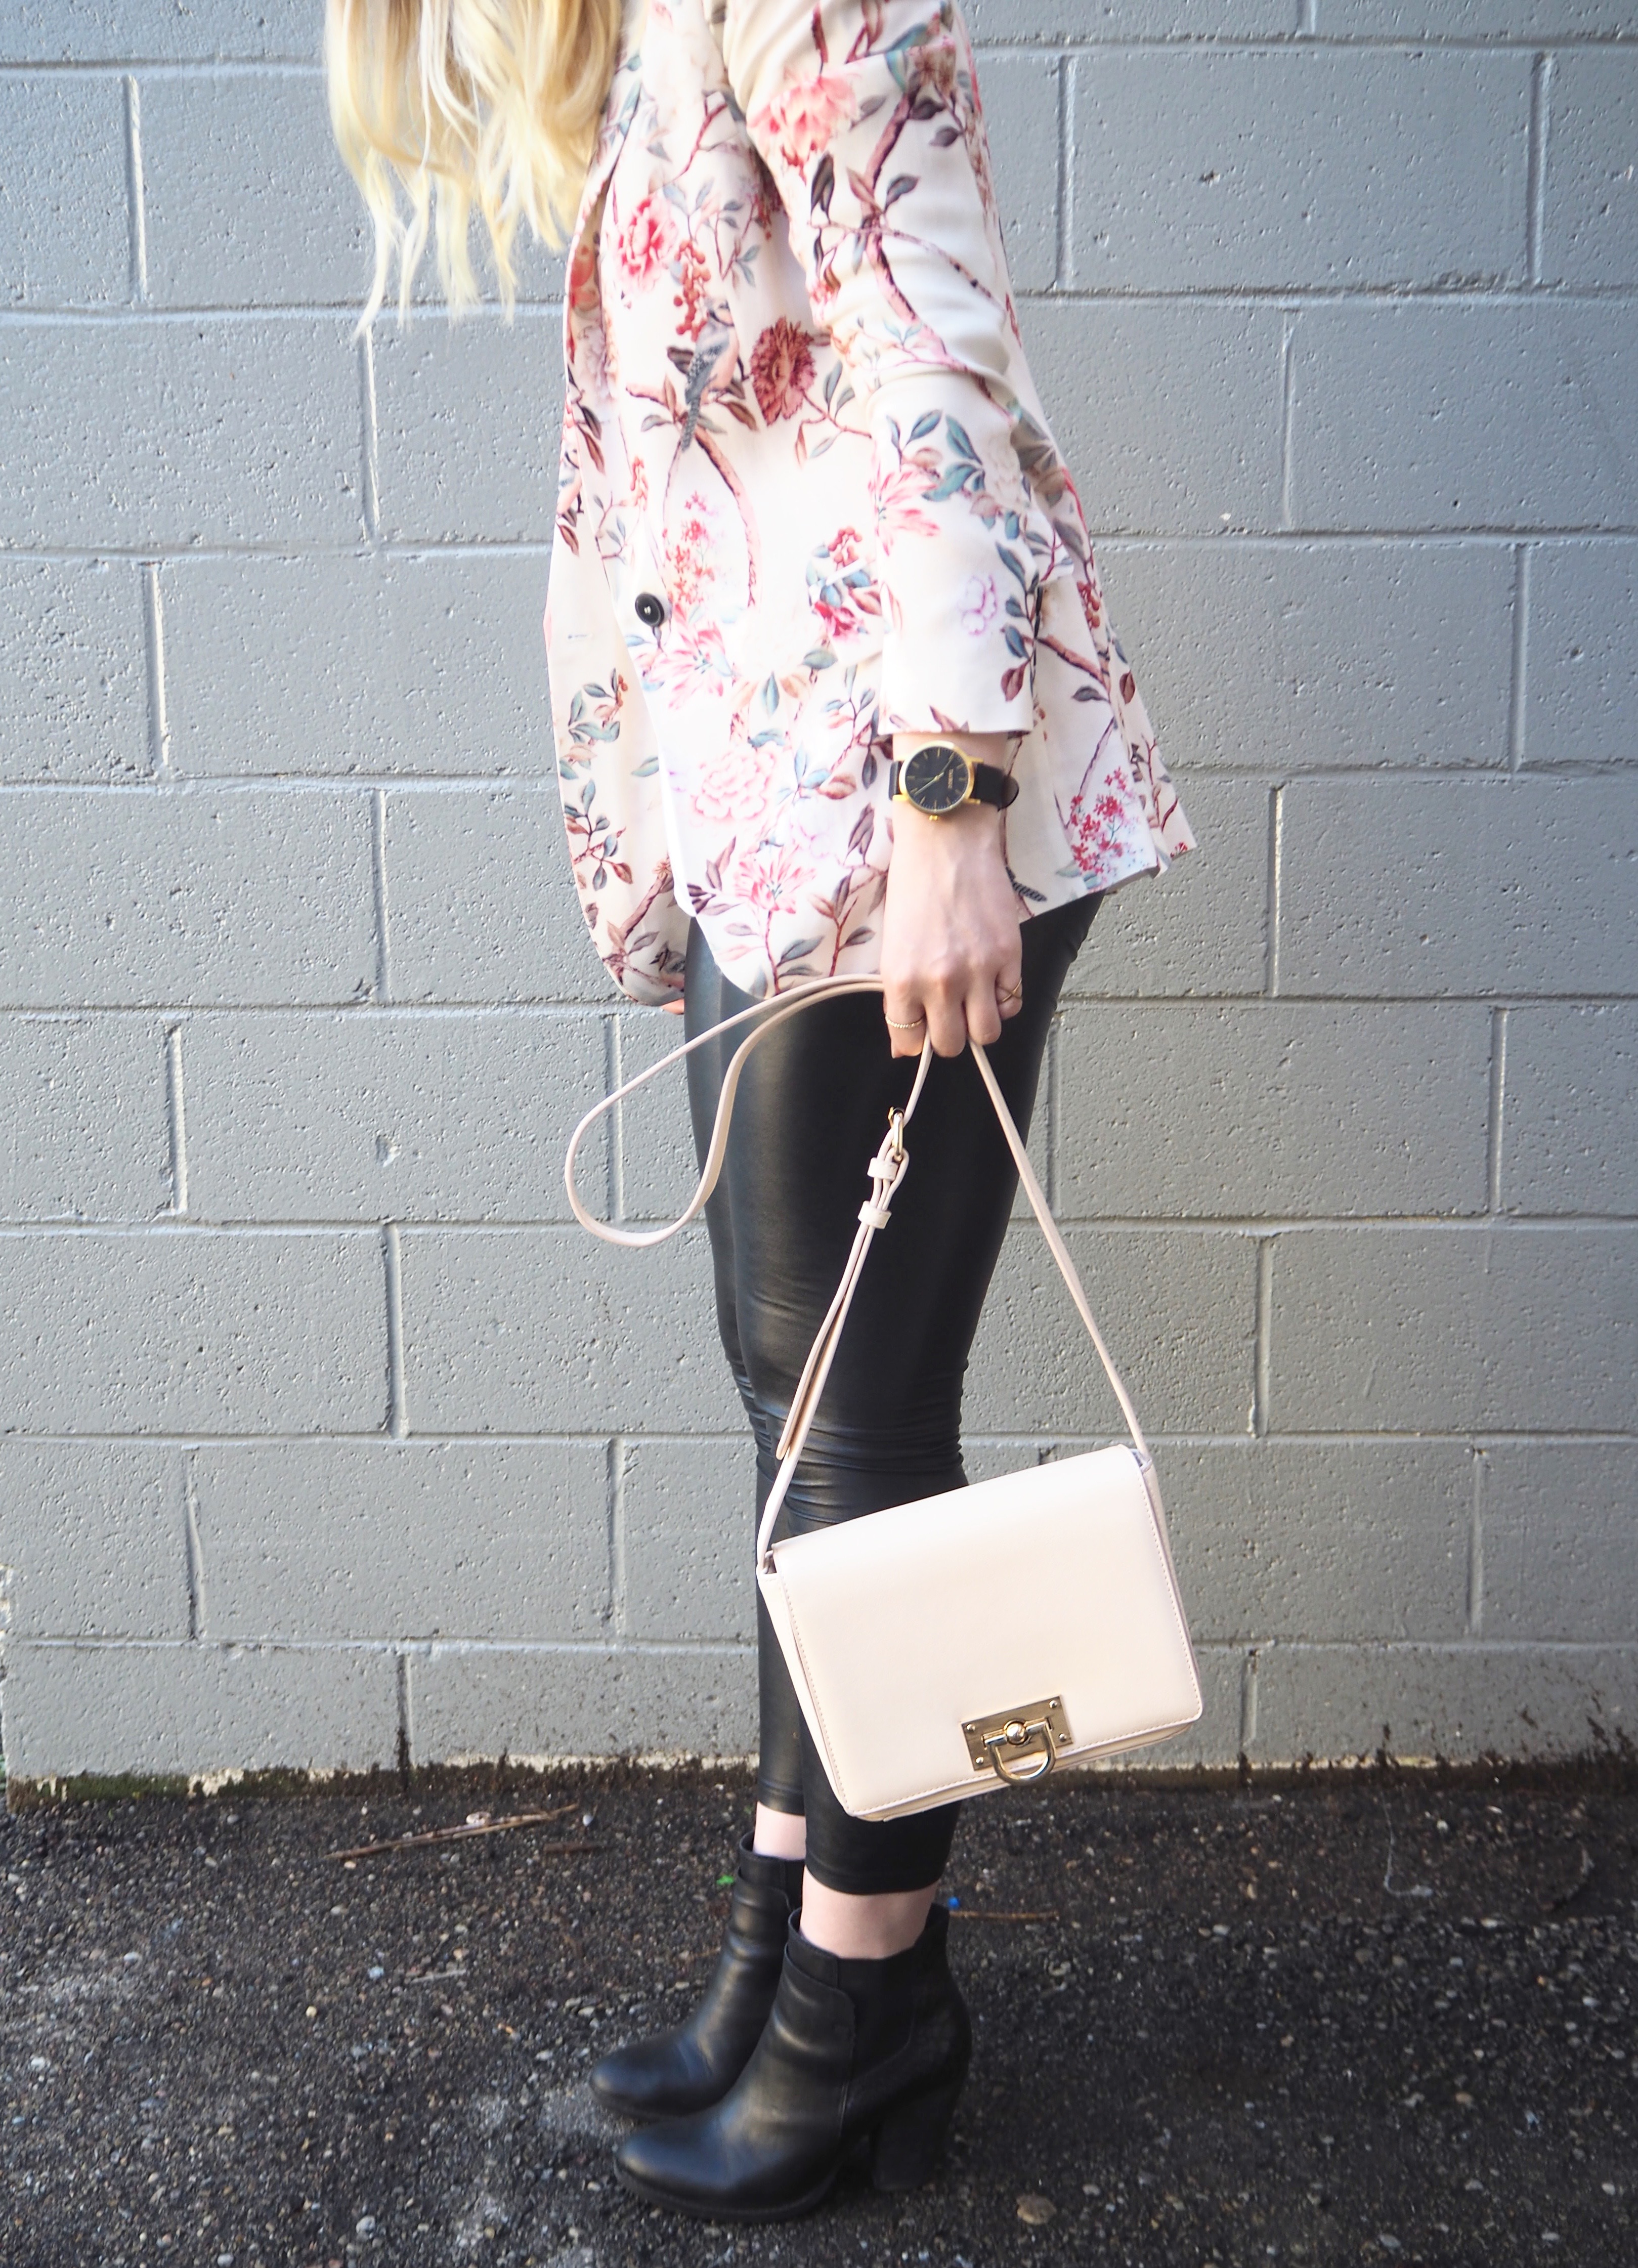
point(64, 232)
point(1419, 1329)
point(249, 203)
point(482, 901)
point(364, 665)
point(154, 1711)
point(1321, 1540)
point(1197, 169)
point(471, 1702)
point(460, 1116)
point(1428, 886)
point(158, 897)
point(1458, 1702)
point(1479, 19)
point(1282, 1108)
point(188, 1331)
point(1561, 1541)
point(467, 419)
point(1176, 1308)
point(542, 1330)
point(136, 31)
point(987, 1457)
point(72, 649)
point(82, 1103)
point(1102, 20)
point(657, 1173)
point(1202, 928)
point(688, 1530)
point(1169, 413)
point(1020, 97)
point(91, 1534)
point(331, 1540)
point(208, 431)
point(1581, 680)
point(1341, 655)
point(1589, 210)
point(1470, 20)
point(1436, 416)
point(1570, 1108)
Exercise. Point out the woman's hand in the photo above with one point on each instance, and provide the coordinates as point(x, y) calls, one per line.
point(951, 951)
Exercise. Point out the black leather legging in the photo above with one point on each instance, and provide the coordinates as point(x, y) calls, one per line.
point(810, 1109)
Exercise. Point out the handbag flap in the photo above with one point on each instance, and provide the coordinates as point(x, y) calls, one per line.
point(909, 1623)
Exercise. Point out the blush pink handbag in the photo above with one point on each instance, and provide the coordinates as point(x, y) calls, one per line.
point(948, 1647)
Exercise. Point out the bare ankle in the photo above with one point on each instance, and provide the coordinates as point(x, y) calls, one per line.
point(780, 1834)
point(855, 1928)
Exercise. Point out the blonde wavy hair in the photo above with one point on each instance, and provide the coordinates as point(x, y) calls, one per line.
point(438, 105)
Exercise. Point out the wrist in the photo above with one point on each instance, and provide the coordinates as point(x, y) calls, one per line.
point(979, 820)
point(941, 775)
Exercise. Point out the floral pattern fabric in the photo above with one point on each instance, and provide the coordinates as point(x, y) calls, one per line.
point(809, 499)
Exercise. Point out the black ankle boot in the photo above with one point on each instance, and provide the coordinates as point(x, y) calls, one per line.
point(852, 2049)
point(694, 2064)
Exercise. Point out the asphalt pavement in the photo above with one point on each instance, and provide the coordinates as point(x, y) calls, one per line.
point(1383, 2018)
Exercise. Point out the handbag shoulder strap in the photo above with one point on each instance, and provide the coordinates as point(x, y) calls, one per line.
point(887, 1170)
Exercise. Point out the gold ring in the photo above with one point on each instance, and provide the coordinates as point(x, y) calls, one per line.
point(913, 1027)
point(1017, 993)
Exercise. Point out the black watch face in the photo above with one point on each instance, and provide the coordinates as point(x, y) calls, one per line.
point(936, 778)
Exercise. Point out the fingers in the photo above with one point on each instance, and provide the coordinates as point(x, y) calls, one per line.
point(946, 1012)
point(950, 1016)
point(906, 1025)
point(983, 1013)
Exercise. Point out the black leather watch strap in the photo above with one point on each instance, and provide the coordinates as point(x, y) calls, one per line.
point(990, 784)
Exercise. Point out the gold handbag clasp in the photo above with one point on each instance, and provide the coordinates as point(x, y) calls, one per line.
point(1020, 1744)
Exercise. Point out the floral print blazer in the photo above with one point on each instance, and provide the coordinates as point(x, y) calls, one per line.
point(809, 497)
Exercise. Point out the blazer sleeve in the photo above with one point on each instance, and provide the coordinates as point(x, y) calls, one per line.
point(867, 113)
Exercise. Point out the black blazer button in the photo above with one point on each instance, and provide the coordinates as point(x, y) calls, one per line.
point(650, 610)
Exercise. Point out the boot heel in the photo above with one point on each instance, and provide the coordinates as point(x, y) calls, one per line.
point(907, 2146)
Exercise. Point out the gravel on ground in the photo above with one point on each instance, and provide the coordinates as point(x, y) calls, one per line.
point(1384, 2018)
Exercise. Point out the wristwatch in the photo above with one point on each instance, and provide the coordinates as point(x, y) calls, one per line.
point(938, 779)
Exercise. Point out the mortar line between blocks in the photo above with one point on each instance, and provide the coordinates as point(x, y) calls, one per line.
point(1248, 1700)
point(1496, 1117)
point(1536, 168)
point(1287, 413)
point(176, 1121)
point(153, 643)
point(1063, 254)
point(194, 1552)
point(1520, 658)
point(613, 1076)
point(377, 881)
point(392, 1264)
point(1263, 1328)
point(368, 437)
point(406, 1716)
point(1307, 11)
point(1476, 1549)
point(1276, 882)
point(135, 192)
point(617, 1535)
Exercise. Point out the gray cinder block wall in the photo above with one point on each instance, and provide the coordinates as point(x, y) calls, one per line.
point(325, 1439)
